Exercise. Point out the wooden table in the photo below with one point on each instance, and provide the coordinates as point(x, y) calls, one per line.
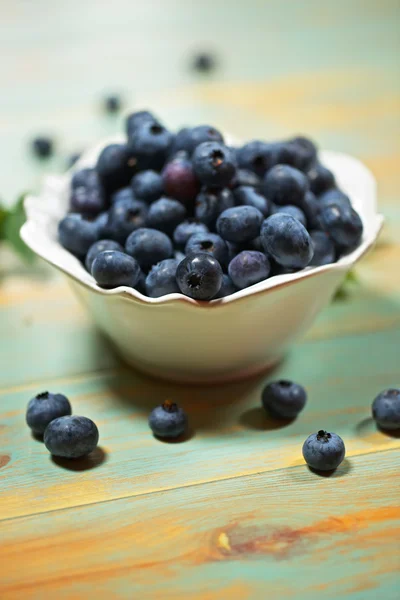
point(232, 512)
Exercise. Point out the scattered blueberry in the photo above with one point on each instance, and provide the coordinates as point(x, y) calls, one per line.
point(77, 234)
point(148, 246)
point(150, 144)
point(249, 267)
point(287, 241)
point(165, 215)
point(180, 181)
point(321, 179)
point(43, 147)
point(386, 409)
point(285, 185)
point(293, 211)
point(97, 247)
point(199, 276)
point(161, 279)
point(185, 230)
point(249, 196)
point(324, 249)
point(44, 408)
point(168, 420)
point(112, 268)
point(239, 224)
point(116, 165)
point(210, 203)
point(257, 156)
point(343, 224)
point(323, 451)
point(204, 62)
point(208, 242)
point(227, 287)
point(124, 217)
point(214, 164)
point(112, 104)
point(284, 399)
point(71, 436)
point(147, 185)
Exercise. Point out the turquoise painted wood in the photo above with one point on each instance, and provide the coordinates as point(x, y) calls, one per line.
point(232, 511)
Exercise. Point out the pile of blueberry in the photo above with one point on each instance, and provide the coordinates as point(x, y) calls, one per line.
point(167, 213)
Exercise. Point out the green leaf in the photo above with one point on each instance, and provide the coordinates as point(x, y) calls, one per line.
point(343, 292)
point(13, 221)
point(3, 216)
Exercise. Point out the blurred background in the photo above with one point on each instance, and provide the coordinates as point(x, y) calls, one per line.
point(328, 70)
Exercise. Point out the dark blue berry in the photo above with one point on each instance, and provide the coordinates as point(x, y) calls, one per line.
point(343, 224)
point(285, 185)
point(125, 194)
point(124, 217)
point(249, 267)
point(180, 181)
point(165, 215)
point(87, 177)
point(43, 147)
point(179, 256)
point(137, 119)
point(311, 208)
point(333, 196)
point(239, 224)
point(293, 211)
point(227, 287)
point(44, 408)
point(148, 246)
point(71, 437)
point(161, 279)
point(150, 144)
point(195, 136)
point(100, 246)
point(257, 156)
point(112, 268)
point(210, 203)
point(320, 178)
point(287, 241)
point(199, 276)
point(208, 242)
point(147, 185)
point(299, 152)
point(101, 224)
point(214, 164)
point(386, 409)
point(181, 143)
point(168, 420)
point(204, 62)
point(77, 234)
point(324, 249)
point(185, 230)
point(112, 104)
point(115, 166)
point(249, 196)
point(245, 177)
point(284, 399)
point(323, 451)
point(87, 194)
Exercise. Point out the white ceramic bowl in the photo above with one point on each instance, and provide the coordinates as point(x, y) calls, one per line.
point(177, 338)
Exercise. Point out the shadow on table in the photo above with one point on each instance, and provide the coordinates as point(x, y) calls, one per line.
point(86, 463)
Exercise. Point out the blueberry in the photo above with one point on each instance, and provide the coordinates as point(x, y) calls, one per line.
point(101, 224)
point(181, 143)
point(251, 197)
point(112, 268)
point(165, 215)
point(343, 224)
point(195, 136)
point(227, 287)
point(287, 241)
point(214, 164)
point(185, 230)
point(179, 256)
point(199, 276)
point(208, 242)
point(124, 217)
point(150, 144)
point(115, 166)
point(210, 203)
point(137, 119)
point(71, 437)
point(323, 451)
point(72, 159)
point(298, 152)
point(45, 407)
point(257, 156)
point(245, 177)
point(112, 104)
point(87, 177)
point(147, 185)
point(77, 234)
point(249, 267)
point(168, 420)
point(293, 211)
point(285, 185)
point(284, 399)
point(239, 224)
point(320, 178)
point(204, 62)
point(311, 208)
point(161, 279)
point(386, 409)
point(100, 246)
point(180, 181)
point(141, 284)
point(43, 147)
point(324, 249)
point(148, 246)
point(333, 196)
point(87, 194)
point(125, 194)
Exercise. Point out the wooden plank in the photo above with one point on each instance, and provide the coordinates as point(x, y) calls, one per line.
point(230, 435)
point(284, 534)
